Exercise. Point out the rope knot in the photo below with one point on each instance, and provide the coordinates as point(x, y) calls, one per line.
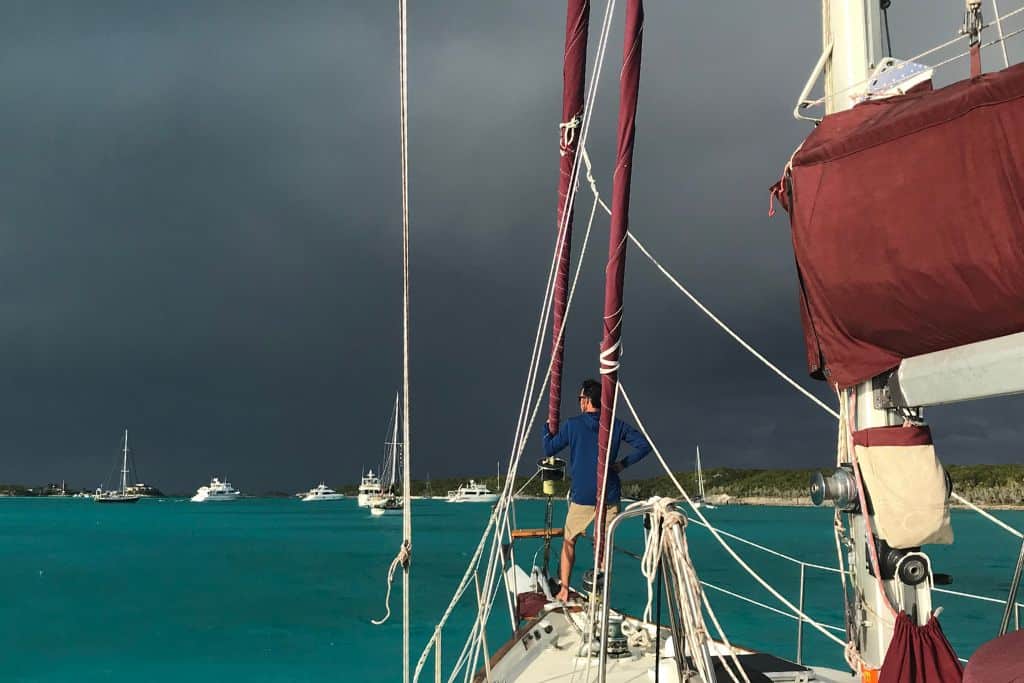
point(402, 558)
point(567, 135)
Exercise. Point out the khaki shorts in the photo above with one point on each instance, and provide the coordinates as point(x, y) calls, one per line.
point(579, 518)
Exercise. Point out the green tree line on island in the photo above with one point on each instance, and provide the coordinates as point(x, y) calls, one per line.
point(981, 484)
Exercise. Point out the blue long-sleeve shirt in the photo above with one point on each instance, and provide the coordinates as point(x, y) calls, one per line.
point(580, 435)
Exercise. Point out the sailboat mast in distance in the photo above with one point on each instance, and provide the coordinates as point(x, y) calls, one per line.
point(124, 464)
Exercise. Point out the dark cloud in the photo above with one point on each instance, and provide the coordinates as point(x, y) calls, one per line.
point(199, 233)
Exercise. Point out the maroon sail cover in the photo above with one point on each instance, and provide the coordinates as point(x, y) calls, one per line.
point(615, 270)
point(919, 653)
point(574, 66)
point(908, 225)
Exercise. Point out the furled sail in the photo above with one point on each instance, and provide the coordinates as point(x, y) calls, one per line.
point(615, 271)
point(908, 225)
point(574, 68)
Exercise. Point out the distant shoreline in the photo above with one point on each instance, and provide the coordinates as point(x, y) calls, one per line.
point(716, 500)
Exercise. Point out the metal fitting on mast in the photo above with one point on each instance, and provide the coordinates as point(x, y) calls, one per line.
point(973, 22)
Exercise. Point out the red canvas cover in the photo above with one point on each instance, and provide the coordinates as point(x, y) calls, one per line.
point(908, 225)
point(919, 654)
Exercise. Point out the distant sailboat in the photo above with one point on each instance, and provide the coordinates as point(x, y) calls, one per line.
point(121, 495)
point(699, 501)
point(388, 502)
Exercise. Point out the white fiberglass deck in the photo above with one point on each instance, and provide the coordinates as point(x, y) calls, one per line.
point(547, 651)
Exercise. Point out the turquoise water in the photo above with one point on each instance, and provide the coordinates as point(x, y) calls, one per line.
point(278, 590)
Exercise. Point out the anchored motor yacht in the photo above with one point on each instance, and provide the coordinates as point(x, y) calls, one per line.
point(217, 491)
point(322, 492)
point(473, 492)
point(369, 488)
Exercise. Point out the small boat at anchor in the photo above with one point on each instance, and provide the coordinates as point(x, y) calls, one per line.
point(217, 491)
point(473, 492)
point(321, 492)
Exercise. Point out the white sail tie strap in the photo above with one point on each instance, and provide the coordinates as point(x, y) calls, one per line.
point(608, 364)
point(401, 560)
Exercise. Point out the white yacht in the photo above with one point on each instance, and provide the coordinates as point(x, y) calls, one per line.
point(473, 492)
point(321, 492)
point(369, 488)
point(217, 491)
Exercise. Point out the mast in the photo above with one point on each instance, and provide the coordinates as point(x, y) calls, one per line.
point(124, 465)
point(700, 476)
point(629, 86)
point(854, 29)
point(574, 67)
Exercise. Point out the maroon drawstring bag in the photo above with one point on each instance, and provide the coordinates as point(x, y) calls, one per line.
point(920, 654)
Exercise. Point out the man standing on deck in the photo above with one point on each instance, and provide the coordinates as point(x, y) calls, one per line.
point(580, 435)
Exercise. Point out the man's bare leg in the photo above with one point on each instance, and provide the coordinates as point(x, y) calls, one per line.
point(565, 567)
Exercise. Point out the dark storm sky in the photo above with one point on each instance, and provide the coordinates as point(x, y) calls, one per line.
point(200, 235)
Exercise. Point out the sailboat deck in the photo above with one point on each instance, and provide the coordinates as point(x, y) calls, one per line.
point(547, 649)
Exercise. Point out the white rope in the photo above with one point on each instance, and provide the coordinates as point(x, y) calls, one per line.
point(704, 309)
point(661, 547)
point(401, 560)
point(992, 518)
point(403, 554)
point(776, 610)
point(766, 549)
point(714, 532)
point(715, 319)
point(504, 503)
point(523, 430)
point(463, 585)
point(1009, 35)
point(1002, 38)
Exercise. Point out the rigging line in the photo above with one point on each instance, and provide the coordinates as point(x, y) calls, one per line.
point(463, 585)
point(471, 651)
point(705, 309)
point(1002, 38)
point(574, 181)
point(714, 532)
point(770, 551)
point(776, 610)
point(599, 532)
point(591, 98)
point(406, 549)
point(725, 328)
point(785, 377)
point(584, 132)
point(520, 447)
point(885, 20)
point(930, 51)
point(987, 515)
point(505, 502)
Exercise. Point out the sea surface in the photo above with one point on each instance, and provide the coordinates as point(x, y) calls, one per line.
point(280, 590)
